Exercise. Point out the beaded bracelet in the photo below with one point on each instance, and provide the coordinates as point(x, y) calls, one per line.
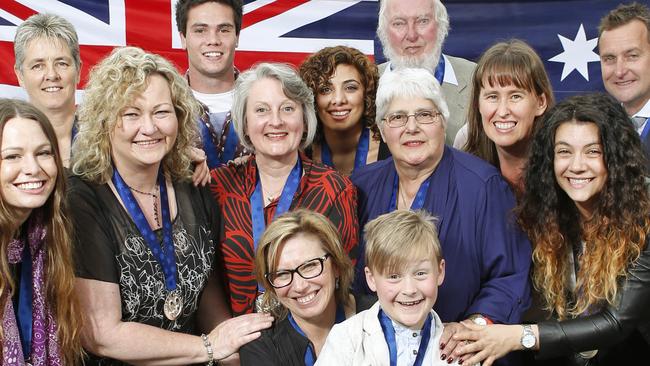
point(208, 348)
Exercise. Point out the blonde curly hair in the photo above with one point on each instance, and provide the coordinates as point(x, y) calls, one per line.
point(113, 84)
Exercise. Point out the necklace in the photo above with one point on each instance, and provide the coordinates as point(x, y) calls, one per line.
point(156, 216)
point(403, 198)
point(270, 197)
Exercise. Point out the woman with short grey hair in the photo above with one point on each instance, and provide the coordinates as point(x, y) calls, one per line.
point(274, 115)
point(46, 48)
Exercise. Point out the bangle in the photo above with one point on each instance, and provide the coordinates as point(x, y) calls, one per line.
point(208, 348)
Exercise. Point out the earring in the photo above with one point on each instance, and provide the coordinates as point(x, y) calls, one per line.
point(337, 283)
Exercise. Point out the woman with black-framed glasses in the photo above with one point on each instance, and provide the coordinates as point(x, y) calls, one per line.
point(307, 275)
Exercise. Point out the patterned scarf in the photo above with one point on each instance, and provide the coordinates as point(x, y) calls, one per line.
point(45, 348)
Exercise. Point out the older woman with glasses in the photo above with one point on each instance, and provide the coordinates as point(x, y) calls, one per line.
point(307, 274)
point(487, 257)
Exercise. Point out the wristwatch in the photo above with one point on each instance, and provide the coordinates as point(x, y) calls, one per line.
point(479, 319)
point(528, 339)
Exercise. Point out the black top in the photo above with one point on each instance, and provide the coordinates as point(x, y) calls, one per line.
point(619, 332)
point(109, 247)
point(282, 345)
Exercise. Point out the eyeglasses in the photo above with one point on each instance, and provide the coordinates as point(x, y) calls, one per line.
point(310, 269)
point(399, 119)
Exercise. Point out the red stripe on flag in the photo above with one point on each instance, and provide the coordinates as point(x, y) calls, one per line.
point(17, 9)
point(269, 11)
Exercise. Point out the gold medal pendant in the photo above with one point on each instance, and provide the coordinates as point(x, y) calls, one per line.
point(173, 305)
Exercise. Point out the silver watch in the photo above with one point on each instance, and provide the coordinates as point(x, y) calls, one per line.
point(528, 339)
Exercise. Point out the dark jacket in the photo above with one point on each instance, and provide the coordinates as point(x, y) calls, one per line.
point(620, 332)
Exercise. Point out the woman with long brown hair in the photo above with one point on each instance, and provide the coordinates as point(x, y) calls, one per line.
point(40, 315)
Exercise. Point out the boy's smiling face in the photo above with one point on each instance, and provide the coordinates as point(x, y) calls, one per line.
point(407, 295)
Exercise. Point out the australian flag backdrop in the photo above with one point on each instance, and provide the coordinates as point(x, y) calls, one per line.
point(564, 32)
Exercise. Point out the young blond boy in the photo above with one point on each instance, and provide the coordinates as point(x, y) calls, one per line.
point(405, 267)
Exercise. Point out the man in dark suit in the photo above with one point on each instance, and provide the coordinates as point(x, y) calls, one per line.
point(624, 46)
point(412, 33)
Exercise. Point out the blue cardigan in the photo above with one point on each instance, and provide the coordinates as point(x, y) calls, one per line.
point(487, 256)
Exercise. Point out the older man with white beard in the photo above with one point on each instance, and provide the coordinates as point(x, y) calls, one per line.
point(412, 33)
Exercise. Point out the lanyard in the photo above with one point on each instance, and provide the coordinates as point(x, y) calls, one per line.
point(646, 129)
point(361, 155)
point(310, 354)
point(389, 335)
point(439, 73)
point(257, 203)
point(24, 314)
point(232, 140)
point(208, 144)
point(418, 202)
point(165, 256)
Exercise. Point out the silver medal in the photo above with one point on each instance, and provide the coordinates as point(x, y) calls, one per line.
point(173, 305)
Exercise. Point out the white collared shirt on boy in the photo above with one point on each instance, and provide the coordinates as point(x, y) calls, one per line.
point(360, 341)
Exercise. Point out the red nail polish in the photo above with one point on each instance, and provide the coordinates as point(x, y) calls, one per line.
point(450, 360)
point(460, 362)
point(442, 345)
point(443, 356)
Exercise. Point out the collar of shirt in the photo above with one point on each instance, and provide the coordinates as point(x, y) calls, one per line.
point(450, 74)
point(408, 343)
point(644, 113)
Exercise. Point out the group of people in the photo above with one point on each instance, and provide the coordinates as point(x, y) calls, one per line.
point(320, 215)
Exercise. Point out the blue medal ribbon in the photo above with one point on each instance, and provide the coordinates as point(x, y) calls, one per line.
point(257, 203)
point(208, 144)
point(74, 132)
point(646, 130)
point(24, 311)
point(418, 202)
point(389, 335)
point(165, 255)
point(232, 140)
point(360, 157)
point(439, 72)
point(310, 354)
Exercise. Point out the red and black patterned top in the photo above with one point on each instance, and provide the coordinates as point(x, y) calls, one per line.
point(321, 189)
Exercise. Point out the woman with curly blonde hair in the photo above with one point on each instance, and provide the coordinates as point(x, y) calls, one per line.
point(145, 237)
point(40, 315)
point(344, 83)
point(586, 210)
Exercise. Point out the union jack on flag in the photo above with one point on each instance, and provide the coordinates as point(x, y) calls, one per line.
point(564, 33)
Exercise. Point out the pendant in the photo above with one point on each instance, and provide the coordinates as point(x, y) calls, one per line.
point(173, 305)
point(260, 307)
point(588, 354)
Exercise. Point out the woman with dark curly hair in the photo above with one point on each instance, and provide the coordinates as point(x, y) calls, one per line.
point(344, 83)
point(585, 209)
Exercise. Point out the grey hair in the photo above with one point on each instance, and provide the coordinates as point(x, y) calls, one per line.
point(48, 26)
point(409, 83)
point(442, 20)
point(292, 86)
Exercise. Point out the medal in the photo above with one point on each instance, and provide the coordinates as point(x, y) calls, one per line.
point(165, 254)
point(173, 305)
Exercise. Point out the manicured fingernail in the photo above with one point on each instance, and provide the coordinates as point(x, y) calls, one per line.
point(442, 345)
point(460, 362)
point(443, 356)
point(450, 360)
